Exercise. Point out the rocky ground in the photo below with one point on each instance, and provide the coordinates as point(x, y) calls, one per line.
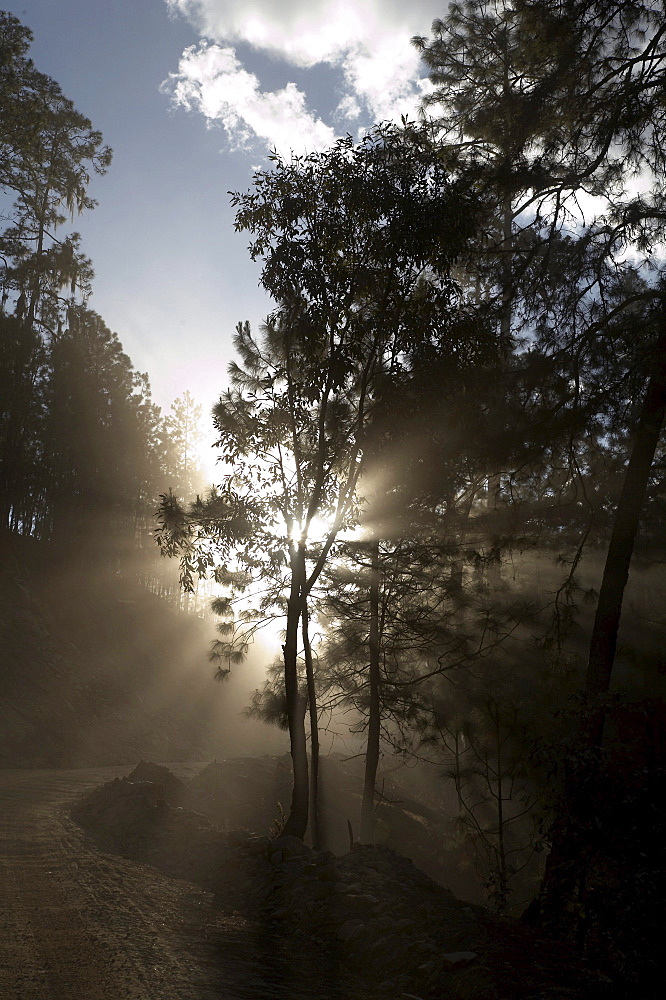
point(367, 923)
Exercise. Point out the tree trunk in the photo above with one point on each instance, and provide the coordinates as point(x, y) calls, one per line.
point(575, 833)
point(494, 566)
point(297, 821)
point(372, 752)
point(314, 729)
point(616, 571)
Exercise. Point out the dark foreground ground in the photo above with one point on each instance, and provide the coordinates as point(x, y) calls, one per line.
point(145, 899)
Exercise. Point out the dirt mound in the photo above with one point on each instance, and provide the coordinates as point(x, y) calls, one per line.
point(244, 793)
point(173, 790)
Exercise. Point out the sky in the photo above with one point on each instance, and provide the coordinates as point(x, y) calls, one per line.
point(192, 95)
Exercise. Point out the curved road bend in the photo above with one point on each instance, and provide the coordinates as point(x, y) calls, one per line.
point(77, 924)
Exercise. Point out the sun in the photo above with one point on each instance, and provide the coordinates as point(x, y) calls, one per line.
point(207, 457)
point(319, 529)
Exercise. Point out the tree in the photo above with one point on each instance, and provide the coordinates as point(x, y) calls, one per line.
point(94, 450)
point(575, 834)
point(183, 436)
point(357, 244)
point(48, 149)
point(596, 98)
point(527, 83)
point(23, 362)
point(407, 643)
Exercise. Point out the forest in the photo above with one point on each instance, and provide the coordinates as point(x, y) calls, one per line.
point(441, 455)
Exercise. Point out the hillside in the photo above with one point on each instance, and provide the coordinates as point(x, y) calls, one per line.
point(96, 670)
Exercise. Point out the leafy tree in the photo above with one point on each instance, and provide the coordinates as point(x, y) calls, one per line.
point(48, 151)
point(23, 363)
point(357, 245)
point(93, 446)
point(404, 636)
point(549, 104)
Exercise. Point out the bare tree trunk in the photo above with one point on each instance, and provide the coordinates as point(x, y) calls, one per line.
point(314, 729)
point(297, 821)
point(494, 566)
point(372, 752)
point(616, 571)
point(575, 828)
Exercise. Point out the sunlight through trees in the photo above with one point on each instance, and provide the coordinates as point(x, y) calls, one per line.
point(440, 471)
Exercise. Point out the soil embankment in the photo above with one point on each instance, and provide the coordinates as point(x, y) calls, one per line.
point(366, 925)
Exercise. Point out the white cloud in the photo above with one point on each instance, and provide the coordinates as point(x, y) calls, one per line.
point(302, 33)
point(211, 80)
point(385, 79)
point(368, 40)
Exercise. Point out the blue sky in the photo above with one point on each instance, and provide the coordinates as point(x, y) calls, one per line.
point(191, 95)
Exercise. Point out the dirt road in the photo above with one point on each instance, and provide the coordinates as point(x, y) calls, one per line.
point(77, 924)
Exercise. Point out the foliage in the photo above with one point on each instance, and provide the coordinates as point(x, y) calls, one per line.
point(357, 245)
point(466, 344)
point(47, 151)
point(82, 450)
point(354, 253)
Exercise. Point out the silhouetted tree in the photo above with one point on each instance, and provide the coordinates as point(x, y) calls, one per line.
point(357, 244)
point(48, 149)
point(585, 111)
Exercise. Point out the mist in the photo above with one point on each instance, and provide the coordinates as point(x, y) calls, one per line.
point(377, 697)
